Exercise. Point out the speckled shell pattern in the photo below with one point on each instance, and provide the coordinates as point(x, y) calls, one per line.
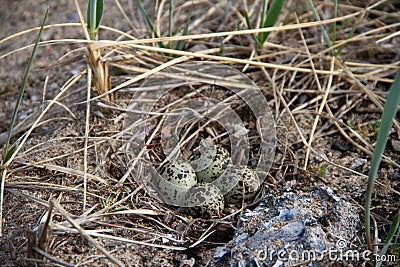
point(212, 164)
point(179, 173)
point(177, 177)
point(204, 200)
point(247, 186)
point(200, 187)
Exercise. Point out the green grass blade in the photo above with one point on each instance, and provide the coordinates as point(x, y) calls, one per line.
point(351, 33)
point(334, 26)
point(248, 22)
point(263, 9)
point(7, 153)
point(94, 14)
point(148, 22)
point(221, 46)
point(392, 232)
point(328, 41)
point(324, 32)
point(170, 20)
point(272, 16)
point(180, 43)
point(238, 28)
point(389, 112)
point(334, 30)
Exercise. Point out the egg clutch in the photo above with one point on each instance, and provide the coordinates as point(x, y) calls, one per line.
point(205, 185)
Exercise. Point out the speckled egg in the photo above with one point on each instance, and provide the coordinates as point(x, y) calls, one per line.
point(204, 200)
point(177, 177)
point(179, 172)
point(211, 164)
point(247, 186)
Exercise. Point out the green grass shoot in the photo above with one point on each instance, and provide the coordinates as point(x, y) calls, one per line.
point(171, 31)
point(148, 21)
point(388, 114)
point(393, 231)
point(267, 20)
point(94, 14)
point(9, 150)
point(331, 41)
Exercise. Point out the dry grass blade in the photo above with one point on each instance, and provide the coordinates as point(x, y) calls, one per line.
point(44, 231)
point(87, 126)
point(105, 44)
point(71, 171)
point(84, 233)
point(20, 127)
point(45, 110)
point(204, 236)
point(55, 261)
point(138, 242)
point(9, 150)
point(139, 212)
point(322, 105)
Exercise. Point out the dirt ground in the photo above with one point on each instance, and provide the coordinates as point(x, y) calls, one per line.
point(124, 219)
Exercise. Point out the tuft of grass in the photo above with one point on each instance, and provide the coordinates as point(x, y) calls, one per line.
point(389, 112)
point(267, 20)
point(323, 169)
point(180, 44)
point(148, 22)
point(110, 200)
point(331, 41)
point(99, 68)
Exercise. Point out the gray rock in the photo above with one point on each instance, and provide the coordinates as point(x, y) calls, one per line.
point(293, 229)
